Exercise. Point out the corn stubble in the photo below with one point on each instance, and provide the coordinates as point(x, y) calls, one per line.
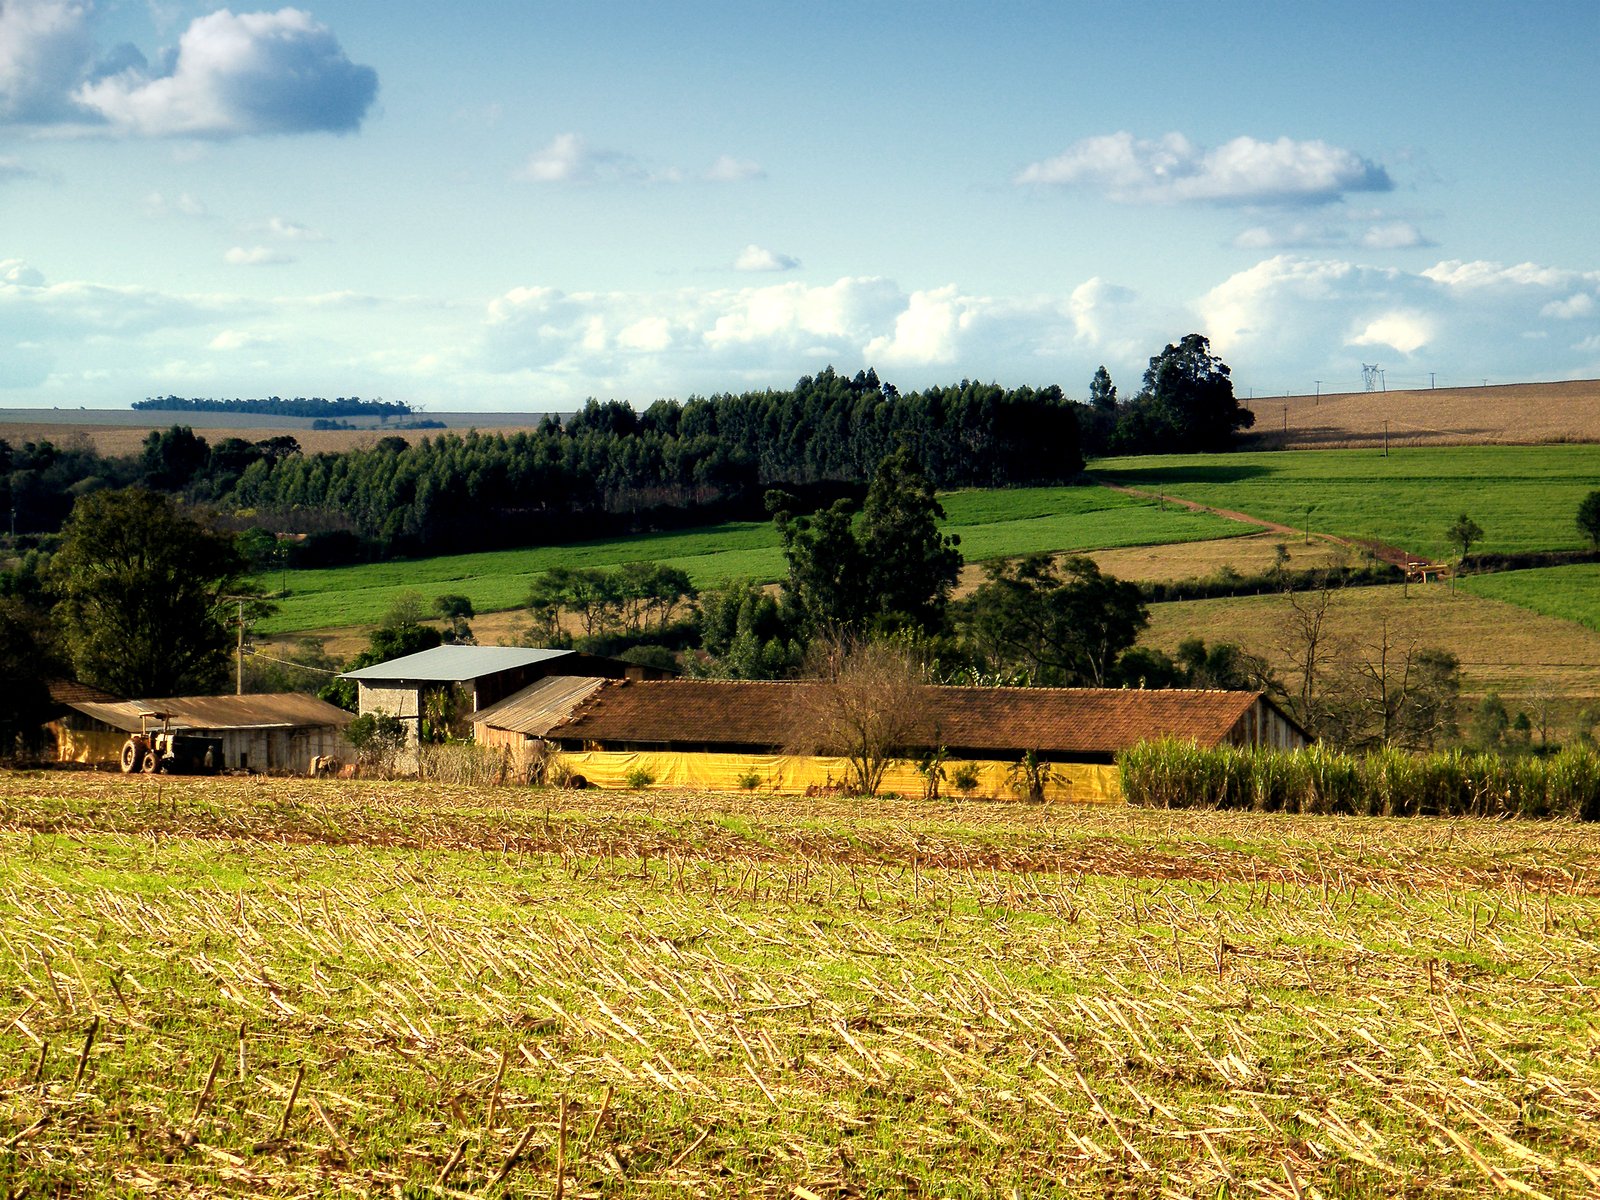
point(315, 988)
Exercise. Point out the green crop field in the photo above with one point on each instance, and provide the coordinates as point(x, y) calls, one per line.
point(991, 524)
point(1571, 593)
point(1524, 497)
point(313, 988)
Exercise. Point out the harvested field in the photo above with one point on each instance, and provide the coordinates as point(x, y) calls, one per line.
point(1503, 414)
point(303, 987)
point(1250, 555)
point(1526, 657)
point(114, 440)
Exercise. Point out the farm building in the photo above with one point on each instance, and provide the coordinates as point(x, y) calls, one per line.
point(271, 732)
point(485, 674)
point(721, 734)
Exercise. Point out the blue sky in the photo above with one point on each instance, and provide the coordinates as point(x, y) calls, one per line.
point(513, 206)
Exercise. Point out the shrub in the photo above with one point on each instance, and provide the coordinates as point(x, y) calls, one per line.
point(749, 781)
point(639, 778)
point(965, 778)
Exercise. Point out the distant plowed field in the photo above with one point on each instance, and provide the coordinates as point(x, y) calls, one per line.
point(1515, 414)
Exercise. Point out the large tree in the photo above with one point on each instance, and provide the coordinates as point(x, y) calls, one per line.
point(26, 659)
point(143, 590)
point(1064, 625)
point(1187, 403)
point(911, 567)
point(890, 570)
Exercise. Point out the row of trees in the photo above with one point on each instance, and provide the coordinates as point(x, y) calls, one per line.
point(278, 406)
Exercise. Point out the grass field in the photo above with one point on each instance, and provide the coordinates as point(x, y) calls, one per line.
point(312, 988)
point(1503, 648)
point(991, 524)
point(1570, 593)
point(1524, 497)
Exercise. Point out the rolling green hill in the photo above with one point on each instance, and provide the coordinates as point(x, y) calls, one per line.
point(1524, 497)
point(991, 524)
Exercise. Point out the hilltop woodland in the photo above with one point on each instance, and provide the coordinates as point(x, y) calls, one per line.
point(142, 577)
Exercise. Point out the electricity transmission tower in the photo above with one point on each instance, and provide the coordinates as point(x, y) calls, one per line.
point(1371, 376)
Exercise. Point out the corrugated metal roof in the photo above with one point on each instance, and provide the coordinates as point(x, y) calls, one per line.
point(277, 710)
point(1060, 721)
point(67, 691)
point(454, 664)
point(537, 708)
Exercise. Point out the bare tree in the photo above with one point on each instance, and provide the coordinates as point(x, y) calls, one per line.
point(1308, 642)
point(1391, 691)
point(863, 703)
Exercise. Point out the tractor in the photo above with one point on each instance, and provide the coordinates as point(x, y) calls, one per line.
point(156, 750)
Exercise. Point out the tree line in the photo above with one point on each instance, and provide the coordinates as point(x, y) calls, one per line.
point(277, 406)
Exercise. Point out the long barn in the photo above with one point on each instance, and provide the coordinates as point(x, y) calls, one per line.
point(722, 733)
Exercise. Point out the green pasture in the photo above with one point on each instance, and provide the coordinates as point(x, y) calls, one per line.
point(991, 524)
point(1524, 497)
point(1570, 593)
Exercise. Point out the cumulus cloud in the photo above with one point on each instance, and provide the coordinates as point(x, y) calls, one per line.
point(256, 256)
point(759, 258)
point(1171, 169)
point(1287, 314)
point(46, 49)
point(229, 75)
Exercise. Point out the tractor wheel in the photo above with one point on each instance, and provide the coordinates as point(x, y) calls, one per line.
point(130, 756)
point(150, 764)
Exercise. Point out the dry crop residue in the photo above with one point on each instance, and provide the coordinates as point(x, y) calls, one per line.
point(219, 987)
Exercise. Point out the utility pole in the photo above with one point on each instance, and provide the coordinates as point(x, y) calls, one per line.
point(1386, 439)
point(238, 661)
point(1430, 381)
point(1318, 396)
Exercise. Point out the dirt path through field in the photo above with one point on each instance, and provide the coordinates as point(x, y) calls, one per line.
point(1394, 555)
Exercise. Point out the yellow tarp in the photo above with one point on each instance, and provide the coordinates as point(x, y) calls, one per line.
point(1080, 783)
point(76, 746)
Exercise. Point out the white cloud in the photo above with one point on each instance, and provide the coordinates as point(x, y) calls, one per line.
point(926, 332)
point(759, 258)
point(728, 169)
point(570, 159)
point(1290, 316)
point(230, 75)
point(1481, 274)
point(1405, 332)
point(237, 339)
point(1394, 235)
point(1171, 169)
point(1581, 304)
point(256, 256)
point(45, 49)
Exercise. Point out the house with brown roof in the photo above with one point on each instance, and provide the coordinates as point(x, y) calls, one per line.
point(699, 731)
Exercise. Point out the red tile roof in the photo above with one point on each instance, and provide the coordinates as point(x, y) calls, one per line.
point(1059, 721)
